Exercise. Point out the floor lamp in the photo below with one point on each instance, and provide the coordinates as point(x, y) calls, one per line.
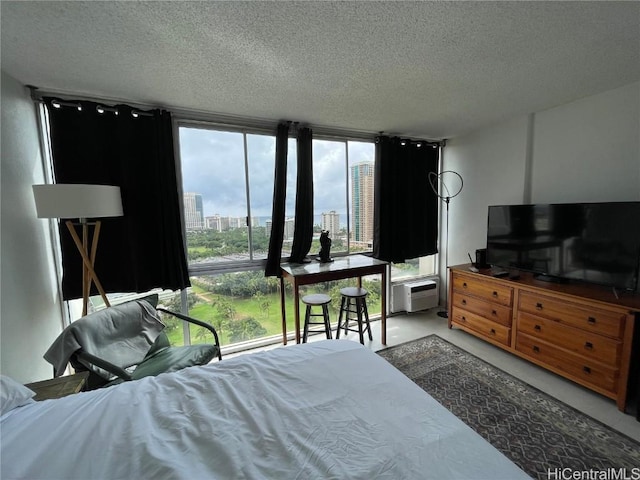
point(443, 184)
point(81, 202)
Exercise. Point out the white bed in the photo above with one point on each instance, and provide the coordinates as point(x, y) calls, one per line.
point(329, 409)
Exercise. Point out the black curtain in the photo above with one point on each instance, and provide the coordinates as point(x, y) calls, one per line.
point(405, 205)
point(144, 249)
point(303, 232)
point(272, 268)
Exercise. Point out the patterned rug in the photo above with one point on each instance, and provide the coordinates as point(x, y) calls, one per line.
point(537, 432)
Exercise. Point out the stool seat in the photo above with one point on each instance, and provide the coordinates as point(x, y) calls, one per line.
point(353, 292)
point(316, 299)
point(353, 307)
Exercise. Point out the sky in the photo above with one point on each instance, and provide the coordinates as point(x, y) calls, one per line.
point(213, 165)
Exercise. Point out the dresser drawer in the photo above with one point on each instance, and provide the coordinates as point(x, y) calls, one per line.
point(480, 288)
point(575, 366)
point(588, 344)
point(487, 328)
point(601, 321)
point(492, 311)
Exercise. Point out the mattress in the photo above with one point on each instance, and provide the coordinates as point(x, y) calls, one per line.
point(325, 410)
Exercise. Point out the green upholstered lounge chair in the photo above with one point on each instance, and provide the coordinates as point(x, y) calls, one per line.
point(127, 342)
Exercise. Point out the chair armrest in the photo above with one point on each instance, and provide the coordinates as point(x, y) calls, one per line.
point(200, 323)
point(108, 366)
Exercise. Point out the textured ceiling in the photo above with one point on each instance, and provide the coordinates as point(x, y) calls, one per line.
point(423, 69)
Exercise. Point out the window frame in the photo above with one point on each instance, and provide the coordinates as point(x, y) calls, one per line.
point(254, 128)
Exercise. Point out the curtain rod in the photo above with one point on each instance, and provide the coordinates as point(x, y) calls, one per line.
point(195, 116)
point(414, 141)
point(38, 97)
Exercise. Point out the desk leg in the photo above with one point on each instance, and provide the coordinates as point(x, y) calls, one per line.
point(296, 309)
point(383, 301)
point(283, 310)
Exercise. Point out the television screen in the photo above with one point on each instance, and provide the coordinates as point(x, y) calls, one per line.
point(591, 242)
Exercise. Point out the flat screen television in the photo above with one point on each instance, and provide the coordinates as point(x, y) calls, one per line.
point(587, 242)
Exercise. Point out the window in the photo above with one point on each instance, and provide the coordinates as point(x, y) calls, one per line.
point(227, 176)
point(413, 268)
point(227, 181)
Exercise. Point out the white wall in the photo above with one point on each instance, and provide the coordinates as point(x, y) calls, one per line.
point(492, 164)
point(30, 308)
point(588, 150)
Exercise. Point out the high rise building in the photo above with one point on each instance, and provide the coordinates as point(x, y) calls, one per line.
point(362, 202)
point(289, 226)
point(193, 211)
point(330, 221)
point(222, 224)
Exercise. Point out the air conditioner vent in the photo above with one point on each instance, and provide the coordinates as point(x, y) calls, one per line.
point(415, 296)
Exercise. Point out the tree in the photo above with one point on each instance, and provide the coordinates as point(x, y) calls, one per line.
point(263, 301)
point(220, 324)
point(245, 329)
point(224, 307)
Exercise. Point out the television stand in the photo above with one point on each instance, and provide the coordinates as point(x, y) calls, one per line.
point(582, 332)
point(550, 278)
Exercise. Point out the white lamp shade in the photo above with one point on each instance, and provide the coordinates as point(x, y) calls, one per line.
point(61, 200)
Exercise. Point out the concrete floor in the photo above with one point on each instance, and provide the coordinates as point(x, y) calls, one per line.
point(402, 328)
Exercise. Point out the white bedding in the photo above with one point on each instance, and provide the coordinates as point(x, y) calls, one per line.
point(329, 409)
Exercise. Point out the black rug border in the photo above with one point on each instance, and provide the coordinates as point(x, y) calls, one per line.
point(513, 377)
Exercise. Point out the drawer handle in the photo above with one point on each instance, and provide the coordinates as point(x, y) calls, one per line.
point(537, 327)
point(536, 349)
point(493, 331)
point(464, 302)
point(463, 318)
point(588, 345)
point(495, 294)
point(591, 320)
point(586, 369)
point(493, 312)
point(538, 306)
point(464, 285)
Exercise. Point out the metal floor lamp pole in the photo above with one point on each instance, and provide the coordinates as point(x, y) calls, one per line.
point(445, 313)
point(438, 190)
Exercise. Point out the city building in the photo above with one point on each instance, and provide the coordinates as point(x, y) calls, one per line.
point(193, 211)
point(330, 221)
point(288, 228)
point(362, 203)
point(222, 224)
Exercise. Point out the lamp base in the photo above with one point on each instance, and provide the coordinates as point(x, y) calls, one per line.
point(443, 314)
point(88, 259)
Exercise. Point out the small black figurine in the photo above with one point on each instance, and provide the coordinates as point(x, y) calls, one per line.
point(325, 247)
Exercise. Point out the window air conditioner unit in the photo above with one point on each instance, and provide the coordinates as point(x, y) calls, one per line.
point(420, 295)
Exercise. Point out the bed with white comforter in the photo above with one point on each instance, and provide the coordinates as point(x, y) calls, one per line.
point(325, 410)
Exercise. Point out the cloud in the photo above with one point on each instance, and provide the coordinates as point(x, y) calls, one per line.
point(213, 165)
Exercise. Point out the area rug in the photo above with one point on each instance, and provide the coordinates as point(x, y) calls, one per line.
point(537, 432)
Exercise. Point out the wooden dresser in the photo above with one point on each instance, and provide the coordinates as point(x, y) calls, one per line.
point(582, 332)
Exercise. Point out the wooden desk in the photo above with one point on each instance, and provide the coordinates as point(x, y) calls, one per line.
point(315, 272)
point(58, 387)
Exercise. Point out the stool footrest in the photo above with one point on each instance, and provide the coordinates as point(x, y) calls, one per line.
point(316, 300)
point(354, 309)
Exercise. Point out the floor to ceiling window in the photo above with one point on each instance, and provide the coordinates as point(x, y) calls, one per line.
point(227, 176)
point(227, 180)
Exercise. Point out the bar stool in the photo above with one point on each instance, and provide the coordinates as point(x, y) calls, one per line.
point(316, 300)
point(354, 302)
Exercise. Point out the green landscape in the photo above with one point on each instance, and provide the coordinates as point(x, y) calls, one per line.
point(245, 305)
